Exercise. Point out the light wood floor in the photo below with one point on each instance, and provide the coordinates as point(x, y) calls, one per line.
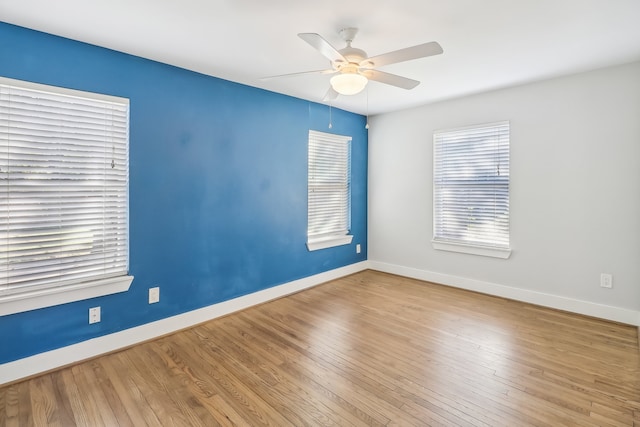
point(369, 349)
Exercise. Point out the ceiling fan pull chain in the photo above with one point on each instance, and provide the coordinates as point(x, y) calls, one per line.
point(367, 125)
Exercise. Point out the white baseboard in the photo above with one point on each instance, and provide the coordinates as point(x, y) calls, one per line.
point(43, 362)
point(601, 311)
point(50, 360)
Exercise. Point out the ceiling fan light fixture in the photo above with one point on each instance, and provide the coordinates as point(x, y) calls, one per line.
point(348, 83)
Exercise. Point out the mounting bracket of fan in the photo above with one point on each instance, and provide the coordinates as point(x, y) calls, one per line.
point(348, 34)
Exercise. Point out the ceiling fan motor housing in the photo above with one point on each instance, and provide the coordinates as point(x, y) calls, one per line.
point(353, 55)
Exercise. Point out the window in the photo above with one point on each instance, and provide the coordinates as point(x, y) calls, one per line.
point(63, 195)
point(329, 190)
point(471, 190)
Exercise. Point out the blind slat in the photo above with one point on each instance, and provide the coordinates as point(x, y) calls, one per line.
point(63, 187)
point(471, 185)
point(328, 185)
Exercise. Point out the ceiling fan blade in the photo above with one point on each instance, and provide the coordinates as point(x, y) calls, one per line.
point(323, 46)
point(390, 79)
point(401, 55)
point(299, 74)
point(330, 95)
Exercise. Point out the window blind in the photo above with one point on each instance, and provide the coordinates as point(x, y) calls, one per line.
point(63, 187)
point(471, 185)
point(329, 185)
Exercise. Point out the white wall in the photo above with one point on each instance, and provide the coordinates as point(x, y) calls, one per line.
point(575, 192)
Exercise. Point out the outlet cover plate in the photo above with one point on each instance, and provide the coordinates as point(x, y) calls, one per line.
point(94, 315)
point(154, 295)
point(606, 280)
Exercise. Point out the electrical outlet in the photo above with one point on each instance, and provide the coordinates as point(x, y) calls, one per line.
point(606, 280)
point(358, 249)
point(94, 315)
point(154, 295)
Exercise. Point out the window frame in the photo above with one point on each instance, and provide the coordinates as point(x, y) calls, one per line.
point(342, 236)
point(15, 300)
point(488, 248)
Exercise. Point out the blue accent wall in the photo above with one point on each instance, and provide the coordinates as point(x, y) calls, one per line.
point(218, 187)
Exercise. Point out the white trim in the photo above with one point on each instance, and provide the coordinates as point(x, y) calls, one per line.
point(471, 249)
point(329, 190)
point(333, 137)
point(329, 242)
point(16, 299)
point(616, 314)
point(440, 142)
point(475, 126)
point(47, 297)
point(63, 90)
point(43, 362)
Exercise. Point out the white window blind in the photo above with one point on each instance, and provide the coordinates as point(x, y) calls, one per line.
point(471, 186)
point(63, 188)
point(329, 188)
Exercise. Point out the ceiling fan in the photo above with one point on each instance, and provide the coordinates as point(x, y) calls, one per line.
point(353, 68)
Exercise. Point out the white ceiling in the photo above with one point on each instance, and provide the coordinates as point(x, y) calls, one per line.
point(487, 44)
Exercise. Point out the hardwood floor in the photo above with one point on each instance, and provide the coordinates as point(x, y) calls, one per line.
point(368, 349)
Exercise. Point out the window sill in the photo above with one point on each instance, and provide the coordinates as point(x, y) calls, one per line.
point(472, 250)
point(31, 300)
point(329, 242)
